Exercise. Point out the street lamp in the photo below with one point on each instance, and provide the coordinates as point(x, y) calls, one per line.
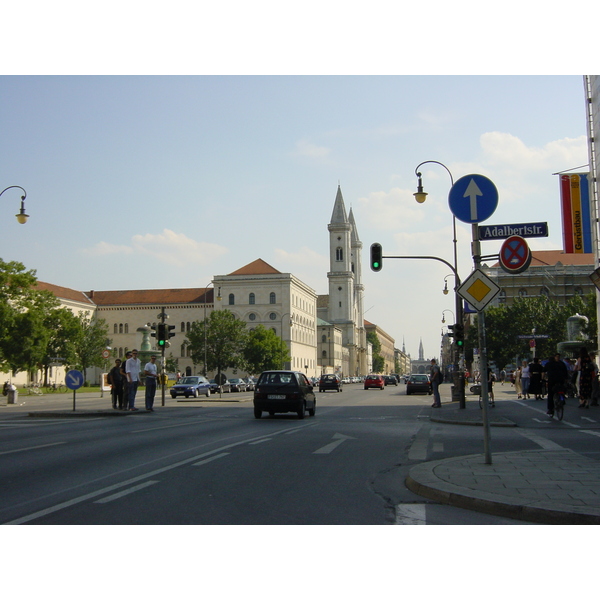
point(445, 311)
point(22, 216)
point(420, 197)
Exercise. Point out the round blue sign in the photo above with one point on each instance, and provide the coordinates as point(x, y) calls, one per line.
point(473, 198)
point(74, 379)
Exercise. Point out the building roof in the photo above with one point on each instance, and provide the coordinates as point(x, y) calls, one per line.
point(323, 301)
point(172, 296)
point(339, 210)
point(258, 267)
point(64, 293)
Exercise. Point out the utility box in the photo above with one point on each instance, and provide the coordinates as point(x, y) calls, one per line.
point(12, 396)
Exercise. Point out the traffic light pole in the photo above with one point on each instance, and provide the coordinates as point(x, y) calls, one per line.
point(163, 317)
point(458, 375)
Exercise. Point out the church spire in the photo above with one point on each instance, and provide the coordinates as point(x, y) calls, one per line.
point(339, 215)
point(421, 354)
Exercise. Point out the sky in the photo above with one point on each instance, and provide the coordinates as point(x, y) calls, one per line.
point(140, 182)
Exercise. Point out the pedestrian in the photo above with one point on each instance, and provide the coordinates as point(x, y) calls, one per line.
point(585, 368)
point(595, 384)
point(151, 373)
point(502, 377)
point(525, 379)
point(115, 380)
point(132, 369)
point(558, 375)
point(518, 384)
point(436, 378)
point(491, 379)
point(535, 378)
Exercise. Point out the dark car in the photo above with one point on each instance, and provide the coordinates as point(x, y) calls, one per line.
point(284, 391)
point(330, 382)
point(192, 385)
point(390, 380)
point(418, 384)
point(216, 388)
point(237, 385)
point(375, 381)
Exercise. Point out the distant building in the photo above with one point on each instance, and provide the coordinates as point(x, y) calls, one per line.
point(387, 346)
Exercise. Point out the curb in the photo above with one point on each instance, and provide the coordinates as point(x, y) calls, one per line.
point(422, 481)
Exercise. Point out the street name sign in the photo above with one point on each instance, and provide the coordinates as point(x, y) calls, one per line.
point(478, 290)
point(473, 198)
point(515, 255)
point(524, 230)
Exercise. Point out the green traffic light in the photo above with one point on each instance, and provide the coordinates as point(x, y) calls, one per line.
point(376, 265)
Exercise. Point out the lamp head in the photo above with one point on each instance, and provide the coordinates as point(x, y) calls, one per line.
point(420, 195)
point(22, 216)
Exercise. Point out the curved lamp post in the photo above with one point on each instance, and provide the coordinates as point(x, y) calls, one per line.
point(445, 311)
point(420, 197)
point(22, 216)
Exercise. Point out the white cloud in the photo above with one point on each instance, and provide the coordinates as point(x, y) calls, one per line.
point(168, 247)
point(305, 148)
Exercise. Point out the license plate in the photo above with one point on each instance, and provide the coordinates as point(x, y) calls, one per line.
point(276, 397)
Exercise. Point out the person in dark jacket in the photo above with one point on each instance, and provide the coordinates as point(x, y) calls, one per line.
point(558, 375)
point(535, 378)
point(116, 380)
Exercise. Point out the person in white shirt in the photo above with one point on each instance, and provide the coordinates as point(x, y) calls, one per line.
point(151, 373)
point(132, 369)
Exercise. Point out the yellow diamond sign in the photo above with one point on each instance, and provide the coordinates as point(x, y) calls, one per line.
point(478, 290)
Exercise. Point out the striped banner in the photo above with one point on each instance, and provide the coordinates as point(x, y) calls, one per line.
point(576, 213)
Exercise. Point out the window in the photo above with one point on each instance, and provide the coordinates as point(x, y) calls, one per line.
point(272, 298)
point(339, 254)
point(324, 353)
point(126, 327)
point(502, 297)
point(182, 329)
point(522, 292)
point(120, 327)
point(252, 316)
point(323, 338)
point(273, 316)
point(578, 291)
point(231, 299)
point(545, 292)
point(116, 328)
point(251, 299)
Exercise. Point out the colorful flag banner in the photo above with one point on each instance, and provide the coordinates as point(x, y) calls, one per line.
point(576, 213)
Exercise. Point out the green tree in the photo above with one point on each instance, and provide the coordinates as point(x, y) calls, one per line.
point(264, 350)
point(378, 360)
point(225, 341)
point(89, 342)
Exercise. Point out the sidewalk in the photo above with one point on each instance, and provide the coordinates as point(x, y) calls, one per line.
point(542, 486)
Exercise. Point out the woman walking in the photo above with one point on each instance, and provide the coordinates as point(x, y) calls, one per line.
point(585, 368)
point(518, 385)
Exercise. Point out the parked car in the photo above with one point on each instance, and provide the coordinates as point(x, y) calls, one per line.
point(390, 380)
point(284, 391)
point(237, 385)
point(330, 382)
point(249, 384)
point(192, 385)
point(418, 384)
point(216, 388)
point(375, 381)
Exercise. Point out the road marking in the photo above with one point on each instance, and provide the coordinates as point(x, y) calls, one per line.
point(543, 442)
point(341, 438)
point(125, 492)
point(438, 447)
point(207, 460)
point(418, 449)
point(590, 432)
point(546, 421)
point(260, 441)
point(411, 514)
point(32, 448)
point(590, 420)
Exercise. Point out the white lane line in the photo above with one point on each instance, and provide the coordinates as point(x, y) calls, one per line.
point(341, 438)
point(590, 432)
point(110, 488)
point(543, 412)
point(32, 448)
point(125, 492)
point(411, 514)
point(207, 460)
point(260, 441)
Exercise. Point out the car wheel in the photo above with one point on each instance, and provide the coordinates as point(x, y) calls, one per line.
point(187, 395)
point(407, 393)
point(320, 390)
point(366, 388)
point(302, 410)
point(195, 392)
point(257, 413)
point(208, 392)
point(311, 411)
point(271, 413)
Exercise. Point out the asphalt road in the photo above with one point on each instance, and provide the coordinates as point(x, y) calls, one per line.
point(213, 463)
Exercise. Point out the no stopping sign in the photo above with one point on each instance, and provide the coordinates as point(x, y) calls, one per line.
point(515, 255)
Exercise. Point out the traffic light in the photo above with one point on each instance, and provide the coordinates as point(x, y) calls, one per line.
point(376, 257)
point(169, 332)
point(459, 335)
point(153, 327)
point(161, 334)
point(452, 331)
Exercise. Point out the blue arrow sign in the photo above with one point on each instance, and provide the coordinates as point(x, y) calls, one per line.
point(74, 380)
point(473, 198)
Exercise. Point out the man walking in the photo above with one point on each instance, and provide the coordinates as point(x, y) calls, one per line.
point(132, 369)
point(558, 375)
point(151, 372)
point(436, 379)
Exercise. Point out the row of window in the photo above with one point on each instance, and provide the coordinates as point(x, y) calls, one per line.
point(252, 298)
point(544, 291)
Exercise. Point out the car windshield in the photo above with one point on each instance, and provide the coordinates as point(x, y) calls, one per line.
point(329, 377)
point(419, 378)
point(277, 378)
point(190, 380)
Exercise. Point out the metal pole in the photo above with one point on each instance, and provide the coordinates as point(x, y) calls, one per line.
point(476, 249)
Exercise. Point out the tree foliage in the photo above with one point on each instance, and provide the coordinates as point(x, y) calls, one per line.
point(90, 338)
point(503, 325)
point(264, 350)
point(378, 360)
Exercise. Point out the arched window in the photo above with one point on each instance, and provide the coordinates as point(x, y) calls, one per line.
point(323, 338)
point(578, 291)
point(545, 292)
point(182, 329)
point(272, 298)
point(231, 299)
point(522, 292)
point(120, 327)
point(116, 328)
point(339, 254)
point(251, 299)
point(502, 297)
point(324, 353)
point(126, 327)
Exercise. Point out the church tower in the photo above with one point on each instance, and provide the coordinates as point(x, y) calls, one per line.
point(345, 303)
